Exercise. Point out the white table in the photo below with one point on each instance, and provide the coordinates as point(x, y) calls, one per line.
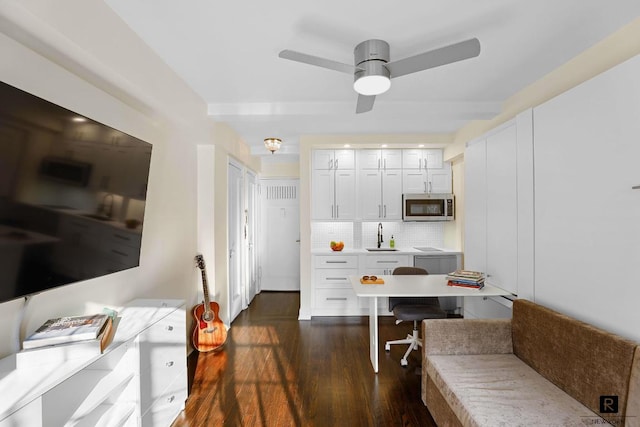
point(432, 285)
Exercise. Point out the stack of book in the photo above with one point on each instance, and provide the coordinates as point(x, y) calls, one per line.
point(67, 338)
point(466, 279)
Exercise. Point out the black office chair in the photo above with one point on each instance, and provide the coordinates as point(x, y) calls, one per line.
point(413, 308)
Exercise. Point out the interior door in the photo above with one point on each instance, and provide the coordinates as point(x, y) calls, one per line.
point(250, 236)
point(280, 237)
point(235, 224)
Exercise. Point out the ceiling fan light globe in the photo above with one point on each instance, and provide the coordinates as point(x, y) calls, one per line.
point(372, 85)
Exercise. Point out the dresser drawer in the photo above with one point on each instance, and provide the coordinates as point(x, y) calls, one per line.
point(334, 278)
point(336, 261)
point(171, 329)
point(168, 405)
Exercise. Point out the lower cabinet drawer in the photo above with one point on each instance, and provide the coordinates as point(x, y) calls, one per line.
point(335, 298)
point(334, 278)
point(166, 408)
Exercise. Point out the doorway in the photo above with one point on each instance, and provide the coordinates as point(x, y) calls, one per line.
point(280, 237)
point(235, 214)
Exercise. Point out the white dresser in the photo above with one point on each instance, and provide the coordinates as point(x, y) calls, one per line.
point(139, 380)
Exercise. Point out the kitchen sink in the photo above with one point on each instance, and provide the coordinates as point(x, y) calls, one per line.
point(381, 249)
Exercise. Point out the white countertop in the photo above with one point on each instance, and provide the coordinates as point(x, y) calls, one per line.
point(399, 251)
point(419, 285)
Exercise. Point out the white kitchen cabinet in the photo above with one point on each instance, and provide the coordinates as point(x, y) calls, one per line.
point(498, 230)
point(425, 158)
point(502, 209)
point(385, 264)
point(430, 180)
point(332, 293)
point(333, 189)
point(379, 159)
point(146, 359)
point(491, 209)
point(333, 159)
point(380, 194)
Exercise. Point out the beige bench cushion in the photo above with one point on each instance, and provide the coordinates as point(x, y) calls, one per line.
point(501, 390)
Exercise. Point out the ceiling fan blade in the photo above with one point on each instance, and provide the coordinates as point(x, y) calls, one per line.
point(365, 103)
point(435, 58)
point(316, 60)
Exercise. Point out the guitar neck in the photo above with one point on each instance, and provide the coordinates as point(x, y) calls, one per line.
point(205, 289)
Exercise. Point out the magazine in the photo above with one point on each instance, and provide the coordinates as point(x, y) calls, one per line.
point(59, 353)
point(66, 329)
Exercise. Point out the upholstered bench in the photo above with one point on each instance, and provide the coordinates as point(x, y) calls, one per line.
point(540, 368)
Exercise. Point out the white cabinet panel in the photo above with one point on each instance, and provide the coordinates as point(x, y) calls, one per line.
point(380, 194)
point(345, 195)
point(587, 216)
point(333, 194)
point(392, 194)
point(491, 207)
point(429, 158)
point(379, 159)
point(439, 180)
point(475, 215)
point(502, 210)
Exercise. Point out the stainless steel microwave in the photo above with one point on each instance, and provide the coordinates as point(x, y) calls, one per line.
point(66, 171)
point(427, 207)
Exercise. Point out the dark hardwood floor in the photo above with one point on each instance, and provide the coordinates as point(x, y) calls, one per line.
point(278, 371)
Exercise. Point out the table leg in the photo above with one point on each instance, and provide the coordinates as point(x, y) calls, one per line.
point(373, 333)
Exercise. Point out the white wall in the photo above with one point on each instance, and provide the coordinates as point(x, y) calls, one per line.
point(80, 55)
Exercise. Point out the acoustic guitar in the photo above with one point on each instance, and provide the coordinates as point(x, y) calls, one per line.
point(209, 333)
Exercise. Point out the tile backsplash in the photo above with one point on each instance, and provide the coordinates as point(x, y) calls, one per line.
point(356, 235)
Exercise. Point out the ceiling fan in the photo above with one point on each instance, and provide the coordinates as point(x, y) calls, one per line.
point(373, 72)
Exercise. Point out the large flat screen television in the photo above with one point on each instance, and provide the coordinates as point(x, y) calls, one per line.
point(72, 196)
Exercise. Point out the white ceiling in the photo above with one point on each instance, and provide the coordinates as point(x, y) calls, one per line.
point(228, 53)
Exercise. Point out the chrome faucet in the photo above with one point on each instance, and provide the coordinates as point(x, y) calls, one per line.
point(380, 234)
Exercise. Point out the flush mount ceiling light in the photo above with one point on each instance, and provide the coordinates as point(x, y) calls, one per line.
point(272, 144)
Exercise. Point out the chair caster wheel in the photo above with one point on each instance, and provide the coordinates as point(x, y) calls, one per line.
point(387, 347)
point(403, 362)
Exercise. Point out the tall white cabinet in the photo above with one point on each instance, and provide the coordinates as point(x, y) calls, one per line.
point(498, 206)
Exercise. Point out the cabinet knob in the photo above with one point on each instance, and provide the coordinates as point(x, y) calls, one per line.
point(169, 328)
point(169, 363)
point(171, 399)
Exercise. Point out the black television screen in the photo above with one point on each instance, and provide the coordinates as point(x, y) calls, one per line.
point(72, 196)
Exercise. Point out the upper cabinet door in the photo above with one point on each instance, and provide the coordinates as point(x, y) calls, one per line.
point(369, 159)
point(322, 195)
point(344, 159)
point(392, 194)
point(422, 158)
point(369, 194)
point(345, 194)
point(323, 159)
point(391, 159)
point(433, 158)
point(439, 180)
point(412, 159)
point(333, 159)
